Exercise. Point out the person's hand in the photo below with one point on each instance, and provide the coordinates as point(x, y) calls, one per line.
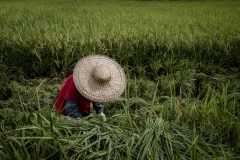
point(103, 116)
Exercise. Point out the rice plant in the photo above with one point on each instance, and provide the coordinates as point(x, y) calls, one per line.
point(129, 31)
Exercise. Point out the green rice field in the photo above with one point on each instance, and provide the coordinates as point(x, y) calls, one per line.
point(181, 59)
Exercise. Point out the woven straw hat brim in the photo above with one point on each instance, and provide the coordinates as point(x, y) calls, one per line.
point(94, 90)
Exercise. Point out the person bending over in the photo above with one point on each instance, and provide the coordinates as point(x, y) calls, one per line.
point(95, 79)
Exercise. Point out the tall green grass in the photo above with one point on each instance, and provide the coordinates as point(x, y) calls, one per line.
point(149, 37)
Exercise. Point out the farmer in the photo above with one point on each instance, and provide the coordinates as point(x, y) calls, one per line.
point(95, 79)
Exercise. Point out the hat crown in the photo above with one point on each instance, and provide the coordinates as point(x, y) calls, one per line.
point(101, 73)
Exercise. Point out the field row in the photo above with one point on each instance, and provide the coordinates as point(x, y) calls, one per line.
point(51, 36)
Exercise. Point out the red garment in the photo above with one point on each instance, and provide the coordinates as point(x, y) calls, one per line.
point(70, 92)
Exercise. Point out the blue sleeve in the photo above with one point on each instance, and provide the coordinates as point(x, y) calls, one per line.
point(72, 109)
point(98, 107)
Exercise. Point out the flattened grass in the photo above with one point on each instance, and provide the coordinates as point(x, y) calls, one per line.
point(165, 127)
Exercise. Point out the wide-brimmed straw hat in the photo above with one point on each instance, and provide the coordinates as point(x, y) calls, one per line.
point(99, 78)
